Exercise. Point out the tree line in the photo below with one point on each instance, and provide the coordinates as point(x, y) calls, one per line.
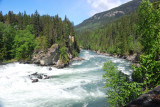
point(118, 37)
point(21, 34)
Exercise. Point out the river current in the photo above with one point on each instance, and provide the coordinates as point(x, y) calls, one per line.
point(79, 85)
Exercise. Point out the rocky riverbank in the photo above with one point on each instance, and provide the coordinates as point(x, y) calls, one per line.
point(132, 58)
point(49, 57)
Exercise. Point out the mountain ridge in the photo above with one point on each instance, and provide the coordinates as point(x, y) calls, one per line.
point(100, 19)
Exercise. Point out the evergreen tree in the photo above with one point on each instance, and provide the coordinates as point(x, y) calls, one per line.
point(36, 23)
point(20, 20)
point(25, 20)
point(1, 17)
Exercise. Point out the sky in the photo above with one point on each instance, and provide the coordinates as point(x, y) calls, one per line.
point(76, 10)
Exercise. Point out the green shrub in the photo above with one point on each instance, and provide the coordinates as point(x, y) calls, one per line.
point(64, 55)
point(120, 90)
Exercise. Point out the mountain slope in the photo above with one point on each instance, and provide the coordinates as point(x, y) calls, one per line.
point(103, 18)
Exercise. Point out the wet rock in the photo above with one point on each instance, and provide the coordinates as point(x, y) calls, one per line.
point(35, 77)
point(46, 77)
point(34, 80)
point(34, 73)
point(50, 68)
point(39, 77)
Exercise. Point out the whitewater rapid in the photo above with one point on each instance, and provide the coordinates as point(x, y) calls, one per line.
point(79, 85)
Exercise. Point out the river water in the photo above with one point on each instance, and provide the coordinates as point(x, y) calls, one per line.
point(79, 85)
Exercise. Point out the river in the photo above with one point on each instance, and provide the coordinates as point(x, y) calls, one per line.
point(79, 85)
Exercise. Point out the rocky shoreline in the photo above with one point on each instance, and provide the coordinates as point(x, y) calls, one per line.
point(132, 58)
point(50, 57)
point(58, 65)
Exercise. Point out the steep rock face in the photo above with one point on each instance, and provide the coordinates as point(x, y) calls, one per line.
point(150, 99)
point(50, 57)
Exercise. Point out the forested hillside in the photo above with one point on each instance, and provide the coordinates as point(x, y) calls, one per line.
point(118, 37)
point(106, 17)
point(22, 34)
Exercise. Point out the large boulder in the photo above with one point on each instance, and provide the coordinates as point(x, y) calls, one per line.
point(34, 80)
point(150, 99)
point(50, 57)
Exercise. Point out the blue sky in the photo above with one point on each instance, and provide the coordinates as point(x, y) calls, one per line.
point(75, 10)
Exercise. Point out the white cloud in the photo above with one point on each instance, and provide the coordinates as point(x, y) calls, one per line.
point(103, 5)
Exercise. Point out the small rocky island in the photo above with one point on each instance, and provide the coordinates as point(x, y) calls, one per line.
point(51, 57)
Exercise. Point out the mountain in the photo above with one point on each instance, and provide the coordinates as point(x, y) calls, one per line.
point(103, 18)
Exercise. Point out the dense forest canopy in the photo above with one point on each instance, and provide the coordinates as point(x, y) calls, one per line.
point(21, 34)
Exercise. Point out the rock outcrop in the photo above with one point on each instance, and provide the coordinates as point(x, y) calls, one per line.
point(150, 99)
point(132, 58)
point(50, 57)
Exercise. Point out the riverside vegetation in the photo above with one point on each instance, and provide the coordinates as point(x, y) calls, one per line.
point(21, 35)
point(120, 89)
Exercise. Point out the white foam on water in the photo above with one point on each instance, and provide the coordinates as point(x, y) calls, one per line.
point(66, 87)
point(77, 63)
point(16, 85)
